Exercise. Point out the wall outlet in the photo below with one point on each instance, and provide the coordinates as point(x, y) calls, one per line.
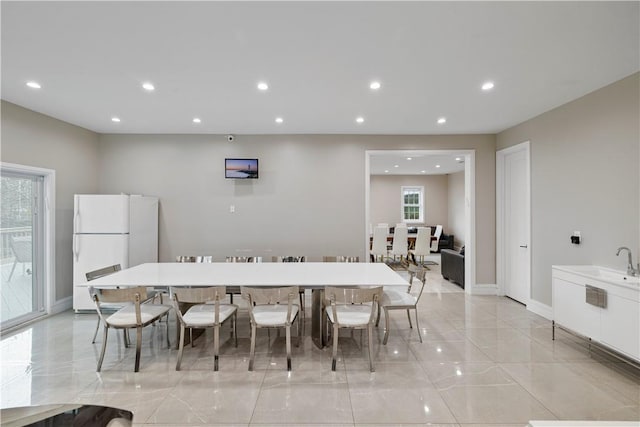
point(575, 238)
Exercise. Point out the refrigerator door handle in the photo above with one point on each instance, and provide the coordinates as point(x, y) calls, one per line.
point(75, 246)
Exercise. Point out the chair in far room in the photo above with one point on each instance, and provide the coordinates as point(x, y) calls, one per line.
point(436, 234)
point(423, 244)
point(379, 245)
point(400, 246)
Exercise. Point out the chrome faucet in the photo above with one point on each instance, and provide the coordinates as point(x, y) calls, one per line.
point(630, 270)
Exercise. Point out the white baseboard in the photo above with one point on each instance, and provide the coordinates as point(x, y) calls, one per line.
point(61, 305)
point(540, 309)
point(484, 289)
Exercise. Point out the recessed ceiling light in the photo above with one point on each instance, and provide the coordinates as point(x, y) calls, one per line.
point(408, 158)
point(360, 119)
point(386, 171)
point(263, 86)
point(279, 120)
point(375, 85)
point(396, 166)
point(148, 86)
point(115, 119)
point(458, 159)
point(423, 171)
point(196, 120)
point(442, 120)
point(487, 86)
point(34, 85)
point(437, 166)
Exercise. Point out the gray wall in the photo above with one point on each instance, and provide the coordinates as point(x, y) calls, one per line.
point(310, 198)
point(32, 139)
point(385, 198)
point(455, 187)
point(585, 161)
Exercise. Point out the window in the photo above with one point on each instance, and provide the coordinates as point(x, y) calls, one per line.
point(412, 205)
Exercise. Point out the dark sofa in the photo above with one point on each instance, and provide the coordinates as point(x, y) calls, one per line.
point(452, 266)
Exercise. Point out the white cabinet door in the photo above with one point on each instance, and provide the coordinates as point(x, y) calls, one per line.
point(571, 310)
point(620, 323)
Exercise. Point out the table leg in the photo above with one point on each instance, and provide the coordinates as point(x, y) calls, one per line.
point(318, 319)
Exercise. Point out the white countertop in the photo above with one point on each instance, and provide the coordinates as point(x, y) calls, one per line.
point(604, 274)
point(305, 274)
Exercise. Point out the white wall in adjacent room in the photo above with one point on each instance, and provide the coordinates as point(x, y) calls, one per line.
point(456, 201)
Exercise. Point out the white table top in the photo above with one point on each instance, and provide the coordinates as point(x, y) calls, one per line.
point(304, 274)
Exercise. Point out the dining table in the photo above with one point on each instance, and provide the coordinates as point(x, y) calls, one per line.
point(307, 275)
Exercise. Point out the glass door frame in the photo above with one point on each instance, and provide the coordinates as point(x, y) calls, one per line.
point(44, 245)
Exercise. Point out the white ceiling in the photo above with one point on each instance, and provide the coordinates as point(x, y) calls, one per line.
point(415, 163)
point(206, 58)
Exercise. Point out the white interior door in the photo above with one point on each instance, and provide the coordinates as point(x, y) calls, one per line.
point(515, 236)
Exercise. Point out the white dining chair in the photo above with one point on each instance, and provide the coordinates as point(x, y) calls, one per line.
point(436, 234)
point(207, 312)
point(272, 308)
point(394, 299)
point(353, 308)
point(400, 246)
point(134, 315)
point(379, 245)
point(423, 244)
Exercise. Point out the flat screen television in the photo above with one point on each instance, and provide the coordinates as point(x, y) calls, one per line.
point(241, 168)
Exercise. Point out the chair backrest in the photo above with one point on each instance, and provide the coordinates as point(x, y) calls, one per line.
point(269, 296)
point(254, 259)
point(22, 248)
point(136, 294)
point(101, 272)
point(194, 258)
point(340, 258)
point(289, 259)
point(423, 241)
point(199, 295)
point(418, 273)
point(436, 234)
point(352, 295)
point(400, 240)
point(379, 246)
point(401, 224)
point(383, 225)
point(438, 231)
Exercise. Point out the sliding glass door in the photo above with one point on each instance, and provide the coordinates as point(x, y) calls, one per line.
point(21, 247)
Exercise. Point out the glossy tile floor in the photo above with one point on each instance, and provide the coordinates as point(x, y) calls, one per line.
point(484, 361)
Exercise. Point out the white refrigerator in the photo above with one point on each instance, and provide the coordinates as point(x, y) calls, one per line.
point(111, 229)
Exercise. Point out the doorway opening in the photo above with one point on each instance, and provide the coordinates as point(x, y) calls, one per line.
point(465, 158)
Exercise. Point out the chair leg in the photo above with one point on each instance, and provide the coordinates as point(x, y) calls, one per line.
point(335, 347)
point(216, 346)
point(253, 346)
point(12, 268)
point(378, 318)
point(299, 333)
point(235, 328)
point(409, 317)
point(418, 326)
point(386, 326)
point(191, 337)
point(288, 338)
point(95, 334)
point(180, 347)
point(370, 330)
point(167, 325)
point(104, 347)
point(301, 293)
point(138, 347)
